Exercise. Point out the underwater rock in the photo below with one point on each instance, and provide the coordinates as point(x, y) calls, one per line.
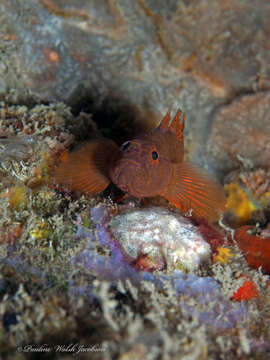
point(258, 182)
point(196, 293)
point(87, 43)
point(144, 239)
point(18, 148)
point(241, 134)
point(155, 238)
point(135, 58)
point(255, 247)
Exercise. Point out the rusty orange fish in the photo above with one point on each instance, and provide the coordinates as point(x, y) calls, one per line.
point(147, 166)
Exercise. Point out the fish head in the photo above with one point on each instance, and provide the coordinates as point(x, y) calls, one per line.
point(140, 169)
point(143, 166)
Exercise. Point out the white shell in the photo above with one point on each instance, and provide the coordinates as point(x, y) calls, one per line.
point(169, 239)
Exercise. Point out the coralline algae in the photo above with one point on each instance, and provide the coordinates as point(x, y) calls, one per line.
point(155, 238)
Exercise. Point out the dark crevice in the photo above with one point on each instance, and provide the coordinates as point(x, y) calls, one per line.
point(115, 118)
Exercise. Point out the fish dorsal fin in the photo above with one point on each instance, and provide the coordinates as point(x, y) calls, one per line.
point(176, 126)
point(165, 123)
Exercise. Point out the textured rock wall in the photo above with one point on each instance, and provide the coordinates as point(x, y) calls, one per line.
point(139, 57)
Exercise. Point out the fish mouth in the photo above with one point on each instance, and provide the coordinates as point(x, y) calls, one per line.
point(126, 165)
point(128, 162)
point(123, 173)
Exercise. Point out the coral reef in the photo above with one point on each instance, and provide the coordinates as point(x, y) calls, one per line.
point(94, 278)
point(66, 267)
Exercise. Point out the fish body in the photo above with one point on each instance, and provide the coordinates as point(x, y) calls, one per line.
point(147, 166)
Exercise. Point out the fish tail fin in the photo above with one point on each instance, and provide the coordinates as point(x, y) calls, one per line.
point(86, 169)
point(191, 188)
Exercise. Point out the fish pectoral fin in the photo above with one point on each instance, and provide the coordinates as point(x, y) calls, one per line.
point(192, 188)
point(86, 169)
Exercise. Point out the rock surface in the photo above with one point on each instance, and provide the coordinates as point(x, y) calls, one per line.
point(156, 238)
point(137, 58)
point(240, 134)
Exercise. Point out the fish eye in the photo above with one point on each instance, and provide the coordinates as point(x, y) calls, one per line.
point(154, 155)
point(125, 145)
